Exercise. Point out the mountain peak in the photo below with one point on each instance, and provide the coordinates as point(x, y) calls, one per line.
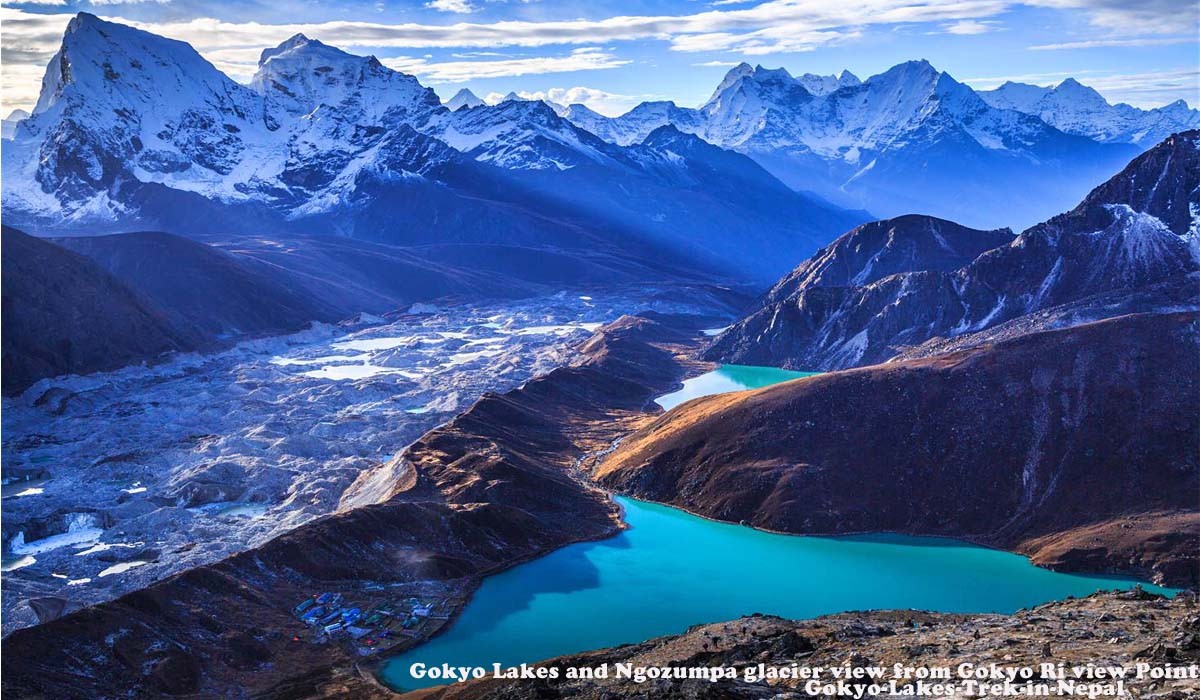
point(464, 98)
point(301, 45)
point(83, 20)
point(825, 84)
point(301, 74)
point(293, 42)
point(735, 74)
point(761, 73)
point(125, 68)
point(909, 73)
point(1075, 90)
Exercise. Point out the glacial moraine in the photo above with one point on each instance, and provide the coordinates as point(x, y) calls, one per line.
point(204, 455)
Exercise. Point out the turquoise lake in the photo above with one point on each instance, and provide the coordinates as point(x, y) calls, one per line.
point(671, 570)
point(727, 378)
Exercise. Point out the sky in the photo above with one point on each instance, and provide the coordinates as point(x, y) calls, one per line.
point(613, 54)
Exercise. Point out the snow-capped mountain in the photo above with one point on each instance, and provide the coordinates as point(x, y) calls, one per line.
point(1132, 245)
point(911, 139)
point(825, 84)
point(9, 125)
point(520, 135)
point(636, 124)
point(463, 98)
point(1078, 109)
point(136, 131)
point(889, 247)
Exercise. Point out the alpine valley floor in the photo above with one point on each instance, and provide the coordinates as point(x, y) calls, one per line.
point(504, 482)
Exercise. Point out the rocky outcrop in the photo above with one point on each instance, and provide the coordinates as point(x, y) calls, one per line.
point(1135, 231)
point(1044, 444)
point(1121, 628)
point(892, 246)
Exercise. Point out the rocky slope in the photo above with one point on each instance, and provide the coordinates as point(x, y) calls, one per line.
point(1075, 447)
point(81, 305)
point(64, 313)
point(883, 248)
point(201, 288)
point(1119, 628)
point(1078, 109)
point(489, 489)
point(1135, 232)
point(911, 139)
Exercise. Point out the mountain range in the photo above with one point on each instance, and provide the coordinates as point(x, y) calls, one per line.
point(982, 385)
point(911, 140)
point(1131, 245)
point(133, 130)
point(1078, 109)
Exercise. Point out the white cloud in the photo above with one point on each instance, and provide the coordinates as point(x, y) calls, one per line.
point(712, 64)
point(461, 7)
point(1123, 17)
point(101, 3)
point(1150, 89)
point(784, 24)
point(1114, 42)
point(607, 103)
point(968, 27)
point(589, 58)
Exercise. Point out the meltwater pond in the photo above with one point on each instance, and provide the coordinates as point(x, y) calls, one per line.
point(671, 570)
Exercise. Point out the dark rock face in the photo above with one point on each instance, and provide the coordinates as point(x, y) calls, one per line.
point(1022, 445)
point(64, 313)
point(892, 246)
point(200, 287)
point(1133, 232)
point(84, 305)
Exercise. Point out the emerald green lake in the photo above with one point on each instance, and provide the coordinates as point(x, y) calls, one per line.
point(727, 378)
point(671, 570)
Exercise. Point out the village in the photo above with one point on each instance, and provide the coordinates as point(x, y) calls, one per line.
point(369, 627)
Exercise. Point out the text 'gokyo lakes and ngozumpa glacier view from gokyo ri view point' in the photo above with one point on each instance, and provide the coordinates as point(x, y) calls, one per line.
point(319, 379)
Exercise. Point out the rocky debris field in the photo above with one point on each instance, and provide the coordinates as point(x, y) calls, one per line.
point(1105, 629)
point(116, 480)
point(497, 485)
